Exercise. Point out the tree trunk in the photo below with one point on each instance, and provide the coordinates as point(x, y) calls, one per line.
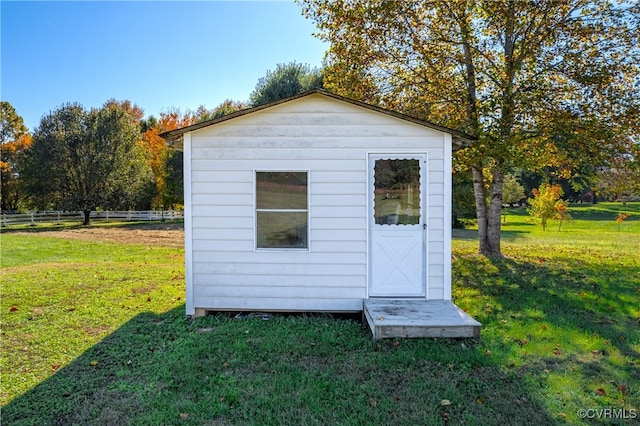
point(87, 217)
point(495, 212)
point(481, 206)
point(488, 215)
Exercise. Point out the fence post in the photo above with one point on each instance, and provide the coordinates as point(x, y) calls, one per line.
point(33, 221)
point(4, 220)
point(58, 218)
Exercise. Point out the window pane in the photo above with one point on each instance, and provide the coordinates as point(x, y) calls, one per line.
point(281, 190)
point(282, 230)
point(397, 192)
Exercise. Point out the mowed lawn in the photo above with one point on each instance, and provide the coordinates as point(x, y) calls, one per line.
point(94, 332)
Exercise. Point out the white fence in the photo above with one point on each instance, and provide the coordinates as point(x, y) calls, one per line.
point(57, 217)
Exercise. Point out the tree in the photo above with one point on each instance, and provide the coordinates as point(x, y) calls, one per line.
point(546, 205)
point(165, 161)
point(287, 80)
point(11, 124)
point(156, 152)
point(14, 139)
point(83, 160)
point(530, 80)
point(133, 110)
point(620, 178)
point(160, 156)
point(462, 202)
point(174, 180)
point(512, 191)
point(227, 107)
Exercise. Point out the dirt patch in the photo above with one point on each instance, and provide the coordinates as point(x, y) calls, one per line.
point(157, 234)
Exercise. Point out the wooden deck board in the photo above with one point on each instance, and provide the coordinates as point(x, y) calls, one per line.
point(417, 318)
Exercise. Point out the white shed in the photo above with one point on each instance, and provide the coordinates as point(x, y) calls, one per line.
point(316, 203)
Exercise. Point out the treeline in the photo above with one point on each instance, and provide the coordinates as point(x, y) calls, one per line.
point(112, 157)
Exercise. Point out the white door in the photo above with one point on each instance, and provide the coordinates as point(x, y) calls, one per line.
point(397, 225)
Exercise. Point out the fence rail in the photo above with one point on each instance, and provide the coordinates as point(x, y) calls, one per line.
point(57, 217)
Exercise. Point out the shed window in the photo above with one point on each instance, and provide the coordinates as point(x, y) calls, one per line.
point(282, 214)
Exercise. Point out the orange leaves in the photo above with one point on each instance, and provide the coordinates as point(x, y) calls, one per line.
point(174, 119)
point(156, 153)
point(621, 217)
point(155, 149)
point(12, 147)
point(9, 152)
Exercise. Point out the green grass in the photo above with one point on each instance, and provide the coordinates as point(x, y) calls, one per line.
point(563, 307)
point(100, 337)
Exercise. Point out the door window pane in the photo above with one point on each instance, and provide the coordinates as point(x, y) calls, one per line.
point(397, 192)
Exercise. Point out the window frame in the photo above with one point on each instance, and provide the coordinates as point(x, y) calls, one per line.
point(257, 210)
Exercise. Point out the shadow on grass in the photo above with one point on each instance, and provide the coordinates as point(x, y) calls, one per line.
point(165, 369)
point(472, 234)
point(108, 383)
point(564, 319)
point(41, 228)
point(598, 300)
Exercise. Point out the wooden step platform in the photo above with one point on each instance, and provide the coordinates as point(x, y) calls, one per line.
point(417, 318)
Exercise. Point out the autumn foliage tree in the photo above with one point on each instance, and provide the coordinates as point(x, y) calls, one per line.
point(165, 161)
point(156, 153)
point(546, 205)
point(536, 82)
point(14, 140)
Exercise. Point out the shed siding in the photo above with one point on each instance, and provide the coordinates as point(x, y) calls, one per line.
point(331, 140)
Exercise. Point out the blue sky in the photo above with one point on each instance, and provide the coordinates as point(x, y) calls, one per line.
point(157, 54)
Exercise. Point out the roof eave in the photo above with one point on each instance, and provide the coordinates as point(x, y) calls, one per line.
point(460, 140)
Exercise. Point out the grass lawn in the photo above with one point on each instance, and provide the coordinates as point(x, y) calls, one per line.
point(94, 332)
